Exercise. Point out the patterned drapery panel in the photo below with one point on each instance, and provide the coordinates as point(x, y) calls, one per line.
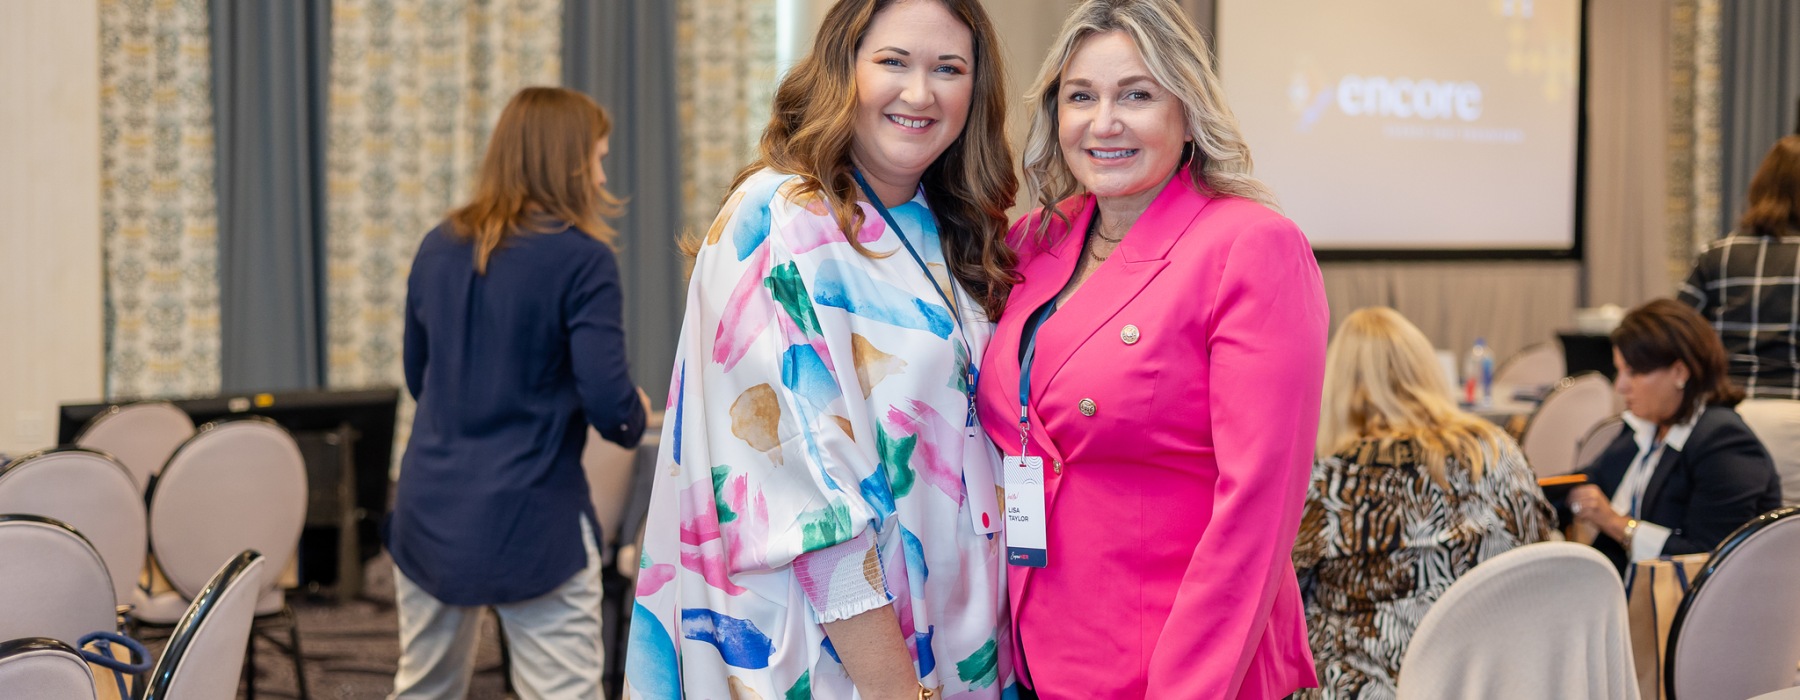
point(158, 213)
point(1694, 92)
point(416, 85)
point(726, 62)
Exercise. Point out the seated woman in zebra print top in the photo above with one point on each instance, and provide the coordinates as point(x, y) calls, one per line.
point(1408, 494)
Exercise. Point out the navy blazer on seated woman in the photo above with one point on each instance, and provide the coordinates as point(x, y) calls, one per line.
point(1716, 480)
point(1687, 471)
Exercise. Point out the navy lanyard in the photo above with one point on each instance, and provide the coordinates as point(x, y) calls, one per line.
point(971, 373)
point(1025, 362)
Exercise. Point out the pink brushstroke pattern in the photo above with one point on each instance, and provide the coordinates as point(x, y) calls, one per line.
point(795, 336)
point(747, 312)
point(654, 578)
point(806, 233)
point(702, 547)
point(748, 535)
point(939, 447)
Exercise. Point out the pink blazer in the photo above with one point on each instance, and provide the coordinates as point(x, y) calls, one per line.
point(1173, 507)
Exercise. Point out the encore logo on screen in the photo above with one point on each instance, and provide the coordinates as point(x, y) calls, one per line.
point(1405, 98)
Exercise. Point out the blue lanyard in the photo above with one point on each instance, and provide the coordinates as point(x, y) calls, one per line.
point(971, 373)
point(1040, 317)
point(1646, 471)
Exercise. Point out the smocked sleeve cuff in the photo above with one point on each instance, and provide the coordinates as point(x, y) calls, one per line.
point(843, 580)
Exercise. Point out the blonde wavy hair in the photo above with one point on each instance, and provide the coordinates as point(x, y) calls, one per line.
point(1180, 60)
point(1382, 382)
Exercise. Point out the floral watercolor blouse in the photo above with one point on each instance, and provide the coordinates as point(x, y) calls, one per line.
point(811, 464)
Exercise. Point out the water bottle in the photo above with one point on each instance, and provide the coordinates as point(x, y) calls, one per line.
point(1478, 375)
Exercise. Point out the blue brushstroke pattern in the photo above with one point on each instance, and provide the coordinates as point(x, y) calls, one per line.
point(927, 658)
point(804, 373)
point(916, 571)
point(880, 496)
point(920, 229)
point(1011, 692)
point(829, 649)
point(650, 667)
point(849, 287)
point(752, 225)
point(740, 643)
point(680, 403)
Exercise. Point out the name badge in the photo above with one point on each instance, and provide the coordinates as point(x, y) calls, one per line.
point(978, 481)
point(1027, 543)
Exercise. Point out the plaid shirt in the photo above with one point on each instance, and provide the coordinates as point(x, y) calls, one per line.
point(1749, 288)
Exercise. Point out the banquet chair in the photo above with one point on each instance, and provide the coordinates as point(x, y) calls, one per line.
point(1737, 633)
point(1568, 412)
point(1783, 694)
point(235, 485)
point(614, 475)
point(1544, 620)
point(1596, 440)
point(64, 593)
point(205, 655)
point(91, 493)
point(141, 436)
point(40, 667)
point(1537, 365)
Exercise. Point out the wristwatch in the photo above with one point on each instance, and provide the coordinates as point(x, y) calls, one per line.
point(1631, 526)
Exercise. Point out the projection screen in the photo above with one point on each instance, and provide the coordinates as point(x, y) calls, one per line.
point(1447, 126)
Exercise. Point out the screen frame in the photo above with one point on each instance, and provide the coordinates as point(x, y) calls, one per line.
point(1577, 250)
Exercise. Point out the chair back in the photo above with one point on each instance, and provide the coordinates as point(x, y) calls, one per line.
point(39, 667)
point(1544, 620)
point(141, 436)
point(63, 590)
point(1737, 633)
point(1588, 450)
point(90, 492)
point(1537, 365)
point(1777, 423)
point(205, 654)
point(611, 472)
point(1575, 406)
point(236, 485)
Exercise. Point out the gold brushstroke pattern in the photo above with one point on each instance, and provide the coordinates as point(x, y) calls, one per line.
point(725, 212)
point(755, 416)
point(872, 365)
point(741, 690)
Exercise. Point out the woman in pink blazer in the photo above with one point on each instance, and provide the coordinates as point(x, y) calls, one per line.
point(1172, 329)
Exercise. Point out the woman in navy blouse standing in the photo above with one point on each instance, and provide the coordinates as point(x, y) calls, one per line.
point(514, 345)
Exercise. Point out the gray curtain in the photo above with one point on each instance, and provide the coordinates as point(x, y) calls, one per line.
point(269, 93)
point(1760, 63)
point(622, 53)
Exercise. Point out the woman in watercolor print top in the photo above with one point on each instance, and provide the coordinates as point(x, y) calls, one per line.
point(824, 522)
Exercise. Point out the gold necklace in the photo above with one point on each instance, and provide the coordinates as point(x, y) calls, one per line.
point(1095, 230)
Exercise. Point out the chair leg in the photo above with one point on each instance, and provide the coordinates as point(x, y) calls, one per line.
point(294, 646)
point(250, 665)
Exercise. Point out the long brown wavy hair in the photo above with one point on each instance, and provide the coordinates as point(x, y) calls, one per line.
point(1775, 192)
point(970, 186)
point(538, 175)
